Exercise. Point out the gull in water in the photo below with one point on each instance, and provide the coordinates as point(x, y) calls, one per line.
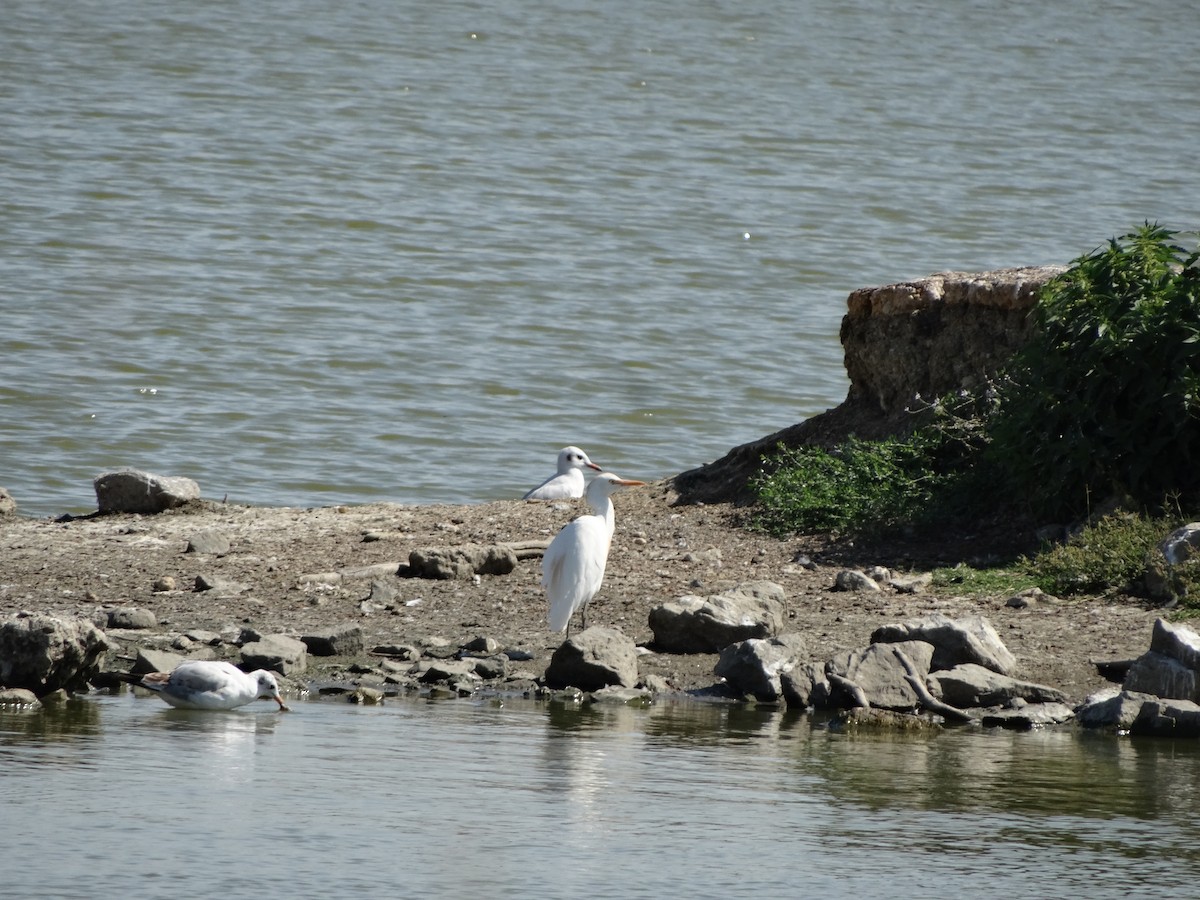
point(567, 482)
point(573, 566)
point(211, 684)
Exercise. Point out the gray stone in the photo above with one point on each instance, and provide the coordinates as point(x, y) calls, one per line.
point(955, 641)
point(1176, 641)
point(490, 668)
point(970, 685)
point(276, 652)
point(1111, 709)
point(345, 640)
point(707, 624)
point(1162, 676)
point(593, 659)
point(1167, 718)
point(485, 646)
point(210, 542)
point(8, 506)
point(132, 617)
point(1026, 718)
point(20, 698)
point(220, 586)
point(45, 653)
point(150, 660)
point(445, 670)
point(622, 696)
point(462, 562)
point(805, 686)
point(853, 580)
point(131, 491)
point(756, 666)
point(880, 675)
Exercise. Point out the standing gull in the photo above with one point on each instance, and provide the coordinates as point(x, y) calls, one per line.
point(567, 482)
point(209, 684)
point(573, 567)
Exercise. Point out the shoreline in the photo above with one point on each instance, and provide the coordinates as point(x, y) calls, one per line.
point(297, 571)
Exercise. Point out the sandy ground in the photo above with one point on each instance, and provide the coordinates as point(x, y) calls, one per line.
point(661, 551)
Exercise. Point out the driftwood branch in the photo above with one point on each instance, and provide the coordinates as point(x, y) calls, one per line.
point(928, 701)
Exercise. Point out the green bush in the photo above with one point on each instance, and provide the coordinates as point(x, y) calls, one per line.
point(869, 487)
point(1105, 399)
point(1109, 554)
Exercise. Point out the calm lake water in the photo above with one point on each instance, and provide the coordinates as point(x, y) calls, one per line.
point(121, 796)
point(311, 253)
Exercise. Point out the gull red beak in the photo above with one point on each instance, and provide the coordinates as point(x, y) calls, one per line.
point(592, 465)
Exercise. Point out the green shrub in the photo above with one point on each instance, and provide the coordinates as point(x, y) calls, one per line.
point(1105, 400)
point(869, 487)
point(1109, 554)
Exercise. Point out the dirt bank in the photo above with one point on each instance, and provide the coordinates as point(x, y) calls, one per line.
point(660, 552)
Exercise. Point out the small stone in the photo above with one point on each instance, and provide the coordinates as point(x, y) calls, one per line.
point(130, 617)
point(164, 584)
point(211, 542)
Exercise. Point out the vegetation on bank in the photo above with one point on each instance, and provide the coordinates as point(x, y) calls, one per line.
point(1100, 411)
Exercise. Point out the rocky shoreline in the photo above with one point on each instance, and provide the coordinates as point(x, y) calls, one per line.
point(337, 586)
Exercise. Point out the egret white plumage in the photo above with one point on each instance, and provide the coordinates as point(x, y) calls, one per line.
point(211, 684)
point(573, 566)
point(567, 482)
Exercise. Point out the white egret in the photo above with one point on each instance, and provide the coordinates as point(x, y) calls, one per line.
point(573, 567)
point(211, 684)
point(567, 482)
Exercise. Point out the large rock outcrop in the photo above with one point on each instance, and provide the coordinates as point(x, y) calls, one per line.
point(922, 338)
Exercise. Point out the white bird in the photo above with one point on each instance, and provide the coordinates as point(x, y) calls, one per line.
point(567, 482)
point(211, 684)
point(573, 566)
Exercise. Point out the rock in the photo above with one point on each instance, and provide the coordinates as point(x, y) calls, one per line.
point(462, 562)
point(622, 696)
point(1030, 716)
point(593, 659)
point(8, 506)
point(1167, 718)
point(345, 640)
point(805, 686)
point(484, 646)
point(707, 624)
point(365, 696)
point(879, 674)
point(210, 542)
point(490, 668)
point(910, 584)
point(222, 587)
point(1033, 596)
point(1181, 544)
point(163, 585)
point(20, 698)
point(853, 580)
point(151, 660)
point(445, 670)
point(131, 617)
point(45, 653)
point(131, 491)
point(1171, 667)
point(970, 685)
point(276, 652)
point(755, 666)
point(1113, 709)
point(969, 640)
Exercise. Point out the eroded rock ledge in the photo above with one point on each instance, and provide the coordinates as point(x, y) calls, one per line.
point(902, 341)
